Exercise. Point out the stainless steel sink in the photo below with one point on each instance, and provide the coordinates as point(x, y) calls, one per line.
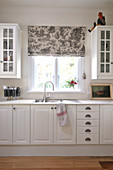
point(48, 101)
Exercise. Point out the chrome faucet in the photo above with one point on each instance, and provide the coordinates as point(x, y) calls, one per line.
point(44, 96)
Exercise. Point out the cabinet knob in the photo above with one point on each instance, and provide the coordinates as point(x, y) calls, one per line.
point(88, 108)
point(88, 139)
point(88, 123)
point(55, 107)
point(87, 130)
point(14, 108)
point(88, 115)
point(51, 107)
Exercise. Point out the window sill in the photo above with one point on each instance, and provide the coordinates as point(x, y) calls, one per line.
point(33, 91)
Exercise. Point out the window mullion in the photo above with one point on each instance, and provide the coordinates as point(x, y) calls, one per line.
point(56, 73)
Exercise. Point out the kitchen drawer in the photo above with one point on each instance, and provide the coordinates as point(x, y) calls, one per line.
point(88, 115)
point(87, 130)
point(88, 108)
point(87, 123)
point(88, 139)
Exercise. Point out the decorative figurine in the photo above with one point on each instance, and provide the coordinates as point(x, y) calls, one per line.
point(100, 21)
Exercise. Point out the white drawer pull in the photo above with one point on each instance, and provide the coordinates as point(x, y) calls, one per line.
point(87, 130)
point(87, 139)
point(88, 115)
point(88, 123)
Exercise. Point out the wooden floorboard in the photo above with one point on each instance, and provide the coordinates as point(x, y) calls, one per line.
point(56, 163)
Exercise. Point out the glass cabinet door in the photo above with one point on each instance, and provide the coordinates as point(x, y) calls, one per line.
point(105, 55)
point(7, 50)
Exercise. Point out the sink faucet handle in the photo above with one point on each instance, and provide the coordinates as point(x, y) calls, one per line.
point(48, 96)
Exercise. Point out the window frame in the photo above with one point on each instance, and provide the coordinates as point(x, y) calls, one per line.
point(31, 76)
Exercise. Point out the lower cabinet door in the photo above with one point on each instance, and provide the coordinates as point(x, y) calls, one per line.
point(106, 124)
point(21, 124)
point(5, 124)
point(42, 124)
point(67, 133)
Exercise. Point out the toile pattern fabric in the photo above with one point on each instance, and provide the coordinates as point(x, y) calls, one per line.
point(56, 41)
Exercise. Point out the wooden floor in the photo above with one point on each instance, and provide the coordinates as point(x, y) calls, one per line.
point(56, 163)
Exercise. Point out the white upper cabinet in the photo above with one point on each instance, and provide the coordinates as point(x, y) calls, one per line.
point(10, 51)
point(102, 52)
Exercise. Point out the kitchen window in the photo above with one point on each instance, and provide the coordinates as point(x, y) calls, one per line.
point(59, 70)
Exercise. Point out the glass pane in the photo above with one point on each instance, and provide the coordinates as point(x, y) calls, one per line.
point(5, 58)
point(68, 72)
point(10, 55)
point(102, 57)
point(5, 33)
point(10, 32)
point(10, 43)
point(44, 71)
point(102, 34)
point(5, 67)
point(10, 67)
point(102, 68)
point(107, 68)
point(5, 44)
point(102, 45)
point(107, 45)
point(107, 57)
point(107, 34)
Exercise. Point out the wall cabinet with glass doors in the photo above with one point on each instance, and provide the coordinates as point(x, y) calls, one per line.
point(10, 51)
point(102, 52)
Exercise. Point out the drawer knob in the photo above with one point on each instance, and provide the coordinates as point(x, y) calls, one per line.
point(87, 139)
point(51, 107)
point(88, 123)
point(87, 130)
point(88, 115)
point(88, 108)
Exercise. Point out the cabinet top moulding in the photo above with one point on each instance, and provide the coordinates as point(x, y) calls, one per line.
point(10, 24)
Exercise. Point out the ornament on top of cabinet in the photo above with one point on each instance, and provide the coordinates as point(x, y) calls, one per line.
point(100, 21)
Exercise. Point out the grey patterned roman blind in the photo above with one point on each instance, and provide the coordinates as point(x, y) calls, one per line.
point(56, 41)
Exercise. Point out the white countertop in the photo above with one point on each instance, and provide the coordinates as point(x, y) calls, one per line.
point(32, 102)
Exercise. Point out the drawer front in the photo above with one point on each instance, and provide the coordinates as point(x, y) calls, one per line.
point(88, 139)
point(87, 130)
point(88, 115)
point(87, 123)
point(88, 108)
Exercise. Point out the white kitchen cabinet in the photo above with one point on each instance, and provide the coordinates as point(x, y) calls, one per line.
point(102, 52)
point(10, 51)
point(21, 124)
point(106, 124)
point(67, 133)
point(87, 124)
point(42, 124)
point(5, 124)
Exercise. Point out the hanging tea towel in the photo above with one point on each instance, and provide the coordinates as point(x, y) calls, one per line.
point(62, 114)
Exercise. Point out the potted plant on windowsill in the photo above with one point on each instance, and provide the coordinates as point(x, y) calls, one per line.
point(71, 83)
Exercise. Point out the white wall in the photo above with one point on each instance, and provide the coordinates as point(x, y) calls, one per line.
point(51, 16)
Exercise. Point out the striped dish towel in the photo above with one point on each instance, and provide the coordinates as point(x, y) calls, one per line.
point(62, 114)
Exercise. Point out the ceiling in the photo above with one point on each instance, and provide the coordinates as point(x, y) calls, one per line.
point(102, 4)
